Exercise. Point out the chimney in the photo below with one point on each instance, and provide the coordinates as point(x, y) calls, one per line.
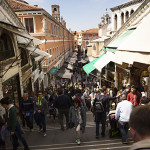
point(62, 20)
point(65, 24)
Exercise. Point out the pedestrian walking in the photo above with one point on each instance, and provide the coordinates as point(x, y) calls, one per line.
point(13, 124)
point(99, 110)
point(134, 96)
point(27, 109)
point(123, 112)
point(63, 103)
point(77, 118)
point(41, 109)
point(127, 90)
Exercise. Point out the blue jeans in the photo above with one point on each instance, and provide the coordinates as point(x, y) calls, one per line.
point(62, 113)
point(100, 118)
point(18, 135)
point(40, 120)
point(123, 127)
point(29, 120)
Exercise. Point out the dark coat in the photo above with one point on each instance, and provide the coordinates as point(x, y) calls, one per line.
point(62, 102)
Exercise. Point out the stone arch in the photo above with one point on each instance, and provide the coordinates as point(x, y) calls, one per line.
point(127, 15)
point(115, 21)
point(122, 18)
point(131, 12)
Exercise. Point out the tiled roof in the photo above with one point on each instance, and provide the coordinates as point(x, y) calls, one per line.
point(94, 30)
point(21, 6)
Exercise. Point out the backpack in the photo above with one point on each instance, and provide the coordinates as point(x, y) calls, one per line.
point(99, 105)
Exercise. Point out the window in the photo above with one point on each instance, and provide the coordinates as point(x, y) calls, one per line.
point(47, 51)
point(6, 47)
point(24, 58)
point(86, 36)
point(94, 47)
point(49, 27)
point(51, 53)
point(29, 25)
point(116, 22)
point(55, 53)
point(52, 27)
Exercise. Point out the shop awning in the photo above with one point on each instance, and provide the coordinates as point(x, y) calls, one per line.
point(38, 58)
point(70, 67)
point(14, 29)
point(53, 71)
point(38, 51)
point(66, 75)
point(131, 57)
point(90, 66)
point(103, 61)
point(116, 43)
point(139, 41)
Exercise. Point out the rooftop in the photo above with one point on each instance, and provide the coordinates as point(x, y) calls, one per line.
point(22, 6)
point(94, 30)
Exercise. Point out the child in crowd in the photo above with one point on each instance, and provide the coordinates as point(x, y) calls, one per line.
point(77, 117)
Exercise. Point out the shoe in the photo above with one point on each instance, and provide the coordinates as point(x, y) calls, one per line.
point(40, 130)
point(78, 141)
point(125, 142)
point(44, 134)
point(26, 148)
point(32, 130)
point(103, 135)
point(62, 128)
point(97, 136)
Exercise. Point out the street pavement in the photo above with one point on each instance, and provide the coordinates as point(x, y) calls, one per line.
point(65, 140)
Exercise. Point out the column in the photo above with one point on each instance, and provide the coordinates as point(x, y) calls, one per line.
point(119, 21)
point(1, 90)
point(149, 83)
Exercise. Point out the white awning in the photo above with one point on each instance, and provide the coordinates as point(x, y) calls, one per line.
point(130, 57)
point(139, 41)
point(103, 61)
point(37, 41)
point(66, 75)
point(70, 67)
point(38, 51)
point(38, 58)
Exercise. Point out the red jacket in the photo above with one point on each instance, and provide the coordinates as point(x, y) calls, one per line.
point(134, 98)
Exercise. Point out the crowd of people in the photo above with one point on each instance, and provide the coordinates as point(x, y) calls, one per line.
point(73, 101)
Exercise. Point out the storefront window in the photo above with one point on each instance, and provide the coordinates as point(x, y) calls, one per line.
point(11, 88)
point(6, 47)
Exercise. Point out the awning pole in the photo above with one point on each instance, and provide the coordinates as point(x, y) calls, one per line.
point(115, 75)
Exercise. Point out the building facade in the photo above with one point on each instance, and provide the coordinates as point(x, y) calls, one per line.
point(122, 12)
point(51, 30)
point(88, 35)
point(16, 65)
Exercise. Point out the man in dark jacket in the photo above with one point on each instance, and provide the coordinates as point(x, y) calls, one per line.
point(41, 109)
point(63, 103)
point(27, 108)
point(100, 117)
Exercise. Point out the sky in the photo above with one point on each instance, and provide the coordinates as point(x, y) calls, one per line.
point(79, 14)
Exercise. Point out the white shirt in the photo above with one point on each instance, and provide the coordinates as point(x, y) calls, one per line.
point(123, 111)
